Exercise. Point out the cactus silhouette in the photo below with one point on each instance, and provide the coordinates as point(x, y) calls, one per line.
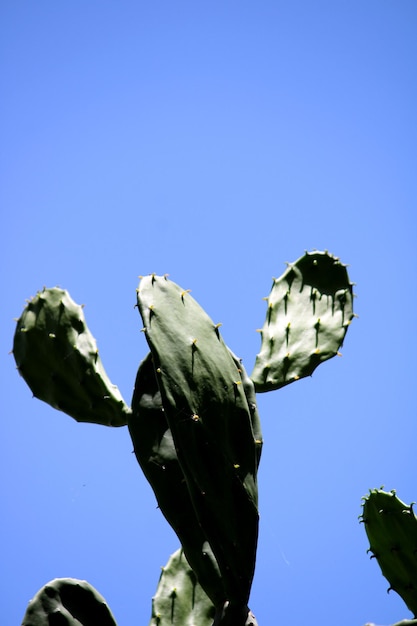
point(193, 422)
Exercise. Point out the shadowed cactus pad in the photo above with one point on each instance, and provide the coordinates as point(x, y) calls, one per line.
point(309, 311)
point(68, 602)
point(156, 454)
point(391, 527)
point(58, 357)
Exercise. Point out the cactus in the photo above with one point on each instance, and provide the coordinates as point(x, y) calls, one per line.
point(194, 422)
point(155, 451)
point(309, 310)
point(179, 599)
point(207, 411)
point(391, 528)
point(58, 358)
point(68, 602)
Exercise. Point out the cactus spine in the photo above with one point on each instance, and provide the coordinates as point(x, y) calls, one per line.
point(194, 421)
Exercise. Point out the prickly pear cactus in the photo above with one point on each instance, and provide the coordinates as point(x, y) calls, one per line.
point(58, 358)
point(194, 424)
point(391, 527)
point(206, 407)
point(68, 602)
point(309, 311)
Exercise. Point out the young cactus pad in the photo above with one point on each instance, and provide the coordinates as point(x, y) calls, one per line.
point(68, 602)
point(309, 311)
point(58, 358)
point(391, 527)
point(179, 599)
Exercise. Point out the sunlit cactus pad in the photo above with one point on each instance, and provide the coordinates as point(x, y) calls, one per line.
point(309, 310)
point(179, 599)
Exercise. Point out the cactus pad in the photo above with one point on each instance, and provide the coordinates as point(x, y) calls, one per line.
point(179, 599)
point(309, 311)
point(58, 358)
point(206, 407)
point(155, 451)
point(391, 527)
point(68, 602)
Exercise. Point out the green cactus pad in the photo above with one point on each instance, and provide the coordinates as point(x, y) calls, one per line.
point(206, 407)
point(309, 311)
point(58, 358)
point(391, 527)
point(155, 451)
point(179, 599)
point(68, 602)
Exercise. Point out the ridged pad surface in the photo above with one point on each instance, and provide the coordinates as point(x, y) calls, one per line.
point(58, 358)
point(207, 410)
point(309, 311)
point(391, 527)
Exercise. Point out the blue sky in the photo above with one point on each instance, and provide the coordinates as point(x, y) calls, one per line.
point(211, 141)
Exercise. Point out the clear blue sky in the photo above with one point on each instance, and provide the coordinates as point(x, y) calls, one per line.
point(212, 141)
